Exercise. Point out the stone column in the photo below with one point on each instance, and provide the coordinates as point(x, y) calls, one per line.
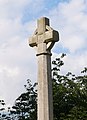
point(45, 100)
point(44, 39)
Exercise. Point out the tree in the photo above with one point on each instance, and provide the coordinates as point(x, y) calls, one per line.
point(25, 105)
point(4, 114)
point(69, 94)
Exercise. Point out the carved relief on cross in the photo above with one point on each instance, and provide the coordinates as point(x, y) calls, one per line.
point(44, 37)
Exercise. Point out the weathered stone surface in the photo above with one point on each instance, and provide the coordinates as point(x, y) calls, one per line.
point(44, 39)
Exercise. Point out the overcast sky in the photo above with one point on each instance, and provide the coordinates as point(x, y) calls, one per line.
point(17, 23)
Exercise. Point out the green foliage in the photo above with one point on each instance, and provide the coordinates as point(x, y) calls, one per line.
point(25, 105)
point(69, 94)
point(4, 114)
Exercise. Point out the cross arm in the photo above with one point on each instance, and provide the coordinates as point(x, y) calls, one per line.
point(33, 41)
point(51, 36)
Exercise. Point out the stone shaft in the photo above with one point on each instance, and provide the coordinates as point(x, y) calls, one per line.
point(45, 102)
point(44, 39)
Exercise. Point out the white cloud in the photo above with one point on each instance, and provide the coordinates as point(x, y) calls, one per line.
point(74, 63)
point(16, 64)
point(9, 72)
point(13, 9)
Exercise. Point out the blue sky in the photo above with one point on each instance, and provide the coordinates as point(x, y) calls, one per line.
point(18, 20)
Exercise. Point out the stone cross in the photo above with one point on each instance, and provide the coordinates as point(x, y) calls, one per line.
point(44, 39)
